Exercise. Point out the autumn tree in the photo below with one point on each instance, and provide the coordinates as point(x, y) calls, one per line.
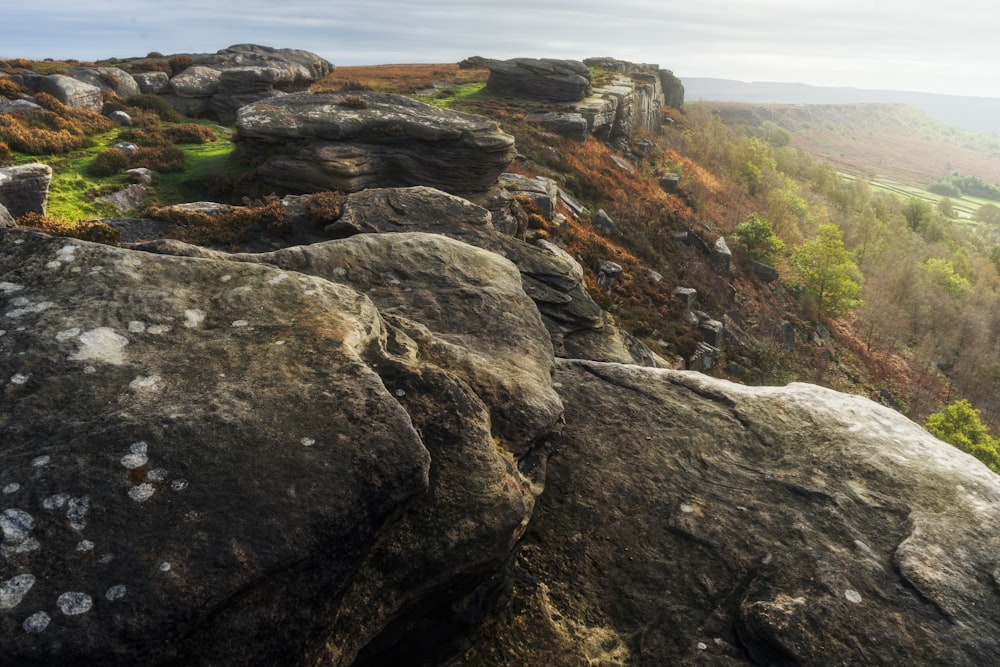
point(826, 274)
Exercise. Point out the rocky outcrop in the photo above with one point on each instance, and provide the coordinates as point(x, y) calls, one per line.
point(67, 90)
point(577, 326)
point(540, 79)
point(217, 84)
point(351, 141)
point(345, 453)
point(687, 520)
point(114, 79)
point(6, 219)
point(25, 189)
point(570, 125)
point(673, 89)
point(226, 462)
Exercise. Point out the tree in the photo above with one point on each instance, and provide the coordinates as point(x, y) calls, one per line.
point(946, 208)
point(757, 240)
point(960, 424)
point(988, 213)
point(826, 273)
point(917, 213)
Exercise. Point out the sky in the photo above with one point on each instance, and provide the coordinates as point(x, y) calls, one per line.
point(914, 45)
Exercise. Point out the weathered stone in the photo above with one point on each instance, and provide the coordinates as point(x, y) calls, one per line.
point(121, 117)
point(25, 189)
point(67, 90)
point(226, 107)
point(140, 175)
point(276, 454)
point(474, 62)
point(600, 113)
point(722, 256)
point(577, 326)
point(607, 274)
point(540, 78)
point(152, 83)
point(6, 219)
point(765, 272)
point(673, 89)
point(189, 106)
point(705, 358)
point(670, 183)
point(26, 107)
point(779, 525)
point(604, 223)
point(570, 125)
point(291, 69)
point(543, 192)
point(711, 331)
point(357, 140)
point(196, 81)
point(117, 80)
point(132, 197)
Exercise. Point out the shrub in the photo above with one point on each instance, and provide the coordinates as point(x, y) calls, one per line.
point(189, 133)
point(230, 226)
point(150, 137)
point(157, 105)
point(179, 63)
point(164, 159)
point(9, 89)
point(108, 162)
point(353, 102)
point(4, 152)
point(324, 208)
point(51, 137)
point(150, 64)
point(87, 230)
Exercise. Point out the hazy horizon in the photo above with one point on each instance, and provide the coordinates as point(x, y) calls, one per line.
point(875, 44)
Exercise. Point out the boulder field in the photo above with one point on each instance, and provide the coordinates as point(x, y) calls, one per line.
point(354, 452)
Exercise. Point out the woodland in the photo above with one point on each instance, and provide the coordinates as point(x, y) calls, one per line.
point(888, 251)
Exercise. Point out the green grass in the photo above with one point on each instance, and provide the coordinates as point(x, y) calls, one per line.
point(446, 97)
point(73, 191)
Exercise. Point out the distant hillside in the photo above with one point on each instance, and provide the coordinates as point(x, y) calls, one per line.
point(980, 114)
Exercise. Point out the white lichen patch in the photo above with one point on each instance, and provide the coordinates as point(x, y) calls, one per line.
point(14, 589)
point(13, 487)
point(852, 596)
point(164, 566)
point(16, 526)
point(310, 292)
point(307, 442)
point(85, 546)
point(40, 461)
point(241, 323)
point(133, 460)
point(56, 501)
point(226, 278)
point(279, 342)
point(145, 382)
point(10, 288)
point(76, 512)
point(194, 318)
point(179, 484)
point(142, 492)
point(116, 593)
point(277, 279)
point(101, 344)
point(68, 334)
point(158, 329)
point(687, 509)
point(19, 378)
point(136, 326)
point(36, 623)
point(28, 308)
point(157, 475)
point(74, 603)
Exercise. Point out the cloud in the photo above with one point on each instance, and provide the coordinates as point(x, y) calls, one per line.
point(915, 45)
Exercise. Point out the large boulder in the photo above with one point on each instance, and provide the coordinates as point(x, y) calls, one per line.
point(546, 79)
point(114, 79)
point(577, 325)
point(673, 89)
point(25, 189)
point(209, 461)
point(217, 84)
point(66, 89)
point(352, 141)
point(691, 521)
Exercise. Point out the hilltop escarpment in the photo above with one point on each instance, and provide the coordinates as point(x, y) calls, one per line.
point(411, 435)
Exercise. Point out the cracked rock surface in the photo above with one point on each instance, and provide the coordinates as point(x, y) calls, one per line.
point(688, 520)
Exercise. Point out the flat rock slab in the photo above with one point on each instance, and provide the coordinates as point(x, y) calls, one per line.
point(691, 521)
point(546, 79)
point(352, 141)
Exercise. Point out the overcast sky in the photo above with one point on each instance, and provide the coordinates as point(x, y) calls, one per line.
point(943, 47)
